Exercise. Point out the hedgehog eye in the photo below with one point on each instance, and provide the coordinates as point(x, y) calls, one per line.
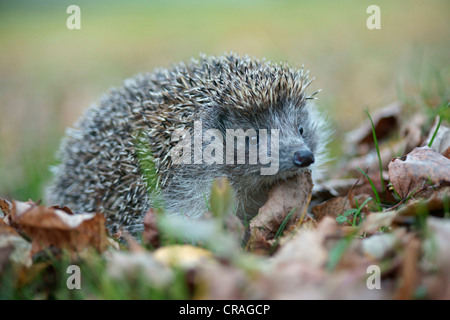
point(253, 140)
point(300, 129)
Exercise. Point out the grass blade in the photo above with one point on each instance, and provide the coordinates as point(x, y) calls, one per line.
point(378, 151)
point(441, 115)
point(378, 202)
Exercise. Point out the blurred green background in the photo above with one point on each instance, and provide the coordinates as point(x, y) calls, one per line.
point(49, 73)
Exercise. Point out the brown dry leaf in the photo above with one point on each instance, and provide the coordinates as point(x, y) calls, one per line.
point(409, 271)
point(297, 270)
point(370, 163)
point(6, 229)
point(13, 247)
point(308, 245)
point(298, 265)
point(215, 281)
point(65, 209)
point(433, 201)
point(437, 259)
point(5, 253)
point(385, 120)
point(365, 188)
point(258, 242)
point(411, 133)
point(289, 233)
point(410, 173)
point(331, 188)
point(52, 227)
point(292, 280)
point(337, 206)
point(5, 207)
point(433, 204)
point(375, 220)
point(308, 223)
point(447, 153)
point(332, 208)
point(436, 244)
point(381, 245)
point(292, 194)
point(130, 266)
point(151, 233)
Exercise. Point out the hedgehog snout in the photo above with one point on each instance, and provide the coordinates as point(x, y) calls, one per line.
point(303, 158)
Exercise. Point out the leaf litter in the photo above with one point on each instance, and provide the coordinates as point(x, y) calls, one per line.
point(297, 247)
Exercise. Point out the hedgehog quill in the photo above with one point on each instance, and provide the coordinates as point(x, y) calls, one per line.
point(262, 106)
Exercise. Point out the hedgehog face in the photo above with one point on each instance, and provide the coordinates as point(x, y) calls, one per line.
point(284, 133)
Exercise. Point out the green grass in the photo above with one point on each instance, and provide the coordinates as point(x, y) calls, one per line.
point(50, 277)
point(281, 229)
point(337, 252)
point(375, 140)
point(148, 170)
point(441, 116)
point(284, 223)
point(378, 202)
point(355, 212)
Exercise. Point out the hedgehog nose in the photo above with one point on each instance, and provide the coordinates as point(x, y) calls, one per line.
point(303, 158)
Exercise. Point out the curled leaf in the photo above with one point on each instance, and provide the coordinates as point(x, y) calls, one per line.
point(53, 227)
point(421, 166)
point(290, 197)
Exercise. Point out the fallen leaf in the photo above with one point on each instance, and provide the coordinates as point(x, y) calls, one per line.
point(409, 173)
point(65, 209)
point(5, 252)
point(332, 207)
point(375, 220)
point(409, 271)
point(433, 201)
point(447, 153)
point(308, 245)
point(411, 133)
point(332, 188)
point(258, 243)
point(52, 227)
point(437, 259)
point(369, 161)
point(385, 121)
point(130, 266)
point(308, 223)
point(5, 208)
point(436, 244)
point(292, 195)
point(13, 247)
point(297, 270)
point(216, 281)
point(379, 246)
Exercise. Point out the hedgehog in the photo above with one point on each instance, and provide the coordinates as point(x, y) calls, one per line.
point(119, 158)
